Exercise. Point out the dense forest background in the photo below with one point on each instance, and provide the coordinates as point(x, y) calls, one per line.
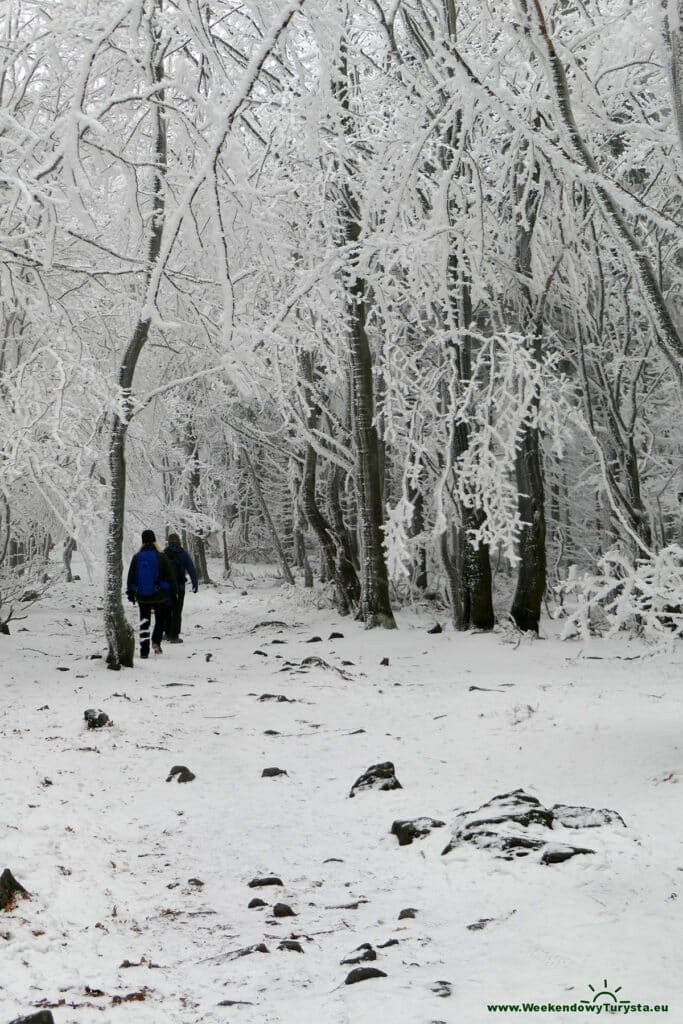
point(388, 292)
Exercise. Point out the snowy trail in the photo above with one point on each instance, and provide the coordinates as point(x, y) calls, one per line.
point(107, 847)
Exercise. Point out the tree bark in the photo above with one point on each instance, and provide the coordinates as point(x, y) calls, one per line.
point(532, 568)
point(258, 493)
point(375, 605)
point(119, 633)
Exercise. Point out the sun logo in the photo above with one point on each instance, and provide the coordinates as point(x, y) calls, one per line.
point(606, 996)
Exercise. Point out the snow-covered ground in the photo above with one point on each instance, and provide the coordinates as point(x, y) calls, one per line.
point(107, 847)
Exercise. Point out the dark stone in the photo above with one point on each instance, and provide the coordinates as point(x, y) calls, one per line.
point(559, 854)
point(415, 828)
point(585, 817)
point(30, 595)
point(363, 974)
point(208, 657)
point(314, 640)
point(377, 776)
point(272, 773)
point(409, 912)
point(479, 925)
point(197, 882)
point(258, 947)
point(435, 629)
point(43, 1017)
point(283, 910)
point(366, 953)
point(10, 889)
point(63, 668)
point(389, 942)
point(262, 653)
point(279, 697)
point(267, 880)
point(182, 773)
point(271, 732)
point(384, 661)
point(93, 657)
point(443, 989)
point(336, 636)
point(292, 945)
point(96, 719)
point(234, 1002)
point(255, 903)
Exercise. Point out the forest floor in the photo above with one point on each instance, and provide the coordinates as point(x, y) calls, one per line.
point(139, 887)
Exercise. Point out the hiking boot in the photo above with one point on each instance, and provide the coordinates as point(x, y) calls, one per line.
point(144, 654)
point(156, 648)
point(173, 640)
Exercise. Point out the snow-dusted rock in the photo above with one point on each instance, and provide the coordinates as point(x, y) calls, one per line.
point(96, 719)
point(585, 817)
point(377, 776)
point(516, 824)
point(414, 828)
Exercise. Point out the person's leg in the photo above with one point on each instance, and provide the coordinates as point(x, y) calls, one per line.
point(145, 620)
point(172, 622)
point(159, 623)
point(178, 623)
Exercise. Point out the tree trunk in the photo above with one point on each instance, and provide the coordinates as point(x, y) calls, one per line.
point(67, 553)
point(196, 540)
point(531, 572)
point(120, 636)
point(375, 606)
point(119, 633)
point(258, 493)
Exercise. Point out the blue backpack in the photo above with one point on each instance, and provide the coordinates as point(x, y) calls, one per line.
point(148, 582)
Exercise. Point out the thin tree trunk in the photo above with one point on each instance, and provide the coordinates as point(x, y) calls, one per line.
point(258, 493)
point(668, 338)
point(119, 633)
point(196, 540)
point(532, 568)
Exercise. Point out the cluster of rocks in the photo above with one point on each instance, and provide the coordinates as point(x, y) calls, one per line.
point(516, 824)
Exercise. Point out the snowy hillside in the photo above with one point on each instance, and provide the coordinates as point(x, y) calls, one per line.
point(140, 887)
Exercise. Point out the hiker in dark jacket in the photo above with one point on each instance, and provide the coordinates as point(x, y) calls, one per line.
point(152, 584)
point(183, 566)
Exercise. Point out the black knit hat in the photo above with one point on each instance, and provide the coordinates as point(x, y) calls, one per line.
point(148, 537)
point(173, 538)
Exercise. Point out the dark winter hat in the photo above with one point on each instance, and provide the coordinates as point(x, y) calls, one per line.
point(173, 538)
point(148, 537)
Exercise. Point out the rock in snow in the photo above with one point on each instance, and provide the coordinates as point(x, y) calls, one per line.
point(96, 719)
point(283, 910)
point(362, 974)
point(44, 1017)
point(364, 952)
point(182, 773)
point(585, 817)
point(414, 828)
point(10, 889)
point(516, 824)
point(377, 776)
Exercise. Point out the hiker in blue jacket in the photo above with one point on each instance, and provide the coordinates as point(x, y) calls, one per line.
point(183, 566)
point(152, 584)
